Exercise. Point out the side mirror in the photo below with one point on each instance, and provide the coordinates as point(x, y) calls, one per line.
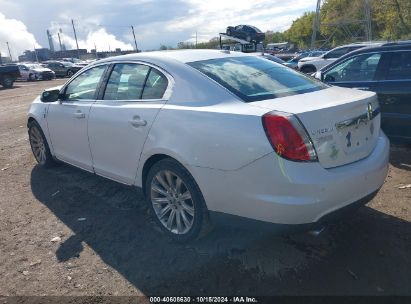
point(50, 95)
point(318, 75)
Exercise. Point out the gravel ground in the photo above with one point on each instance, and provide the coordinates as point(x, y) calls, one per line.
point(68, 232)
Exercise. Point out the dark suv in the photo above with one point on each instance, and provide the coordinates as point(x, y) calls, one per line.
point(386, 70)
point(246, 32)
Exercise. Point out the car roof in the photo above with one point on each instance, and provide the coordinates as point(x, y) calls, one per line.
point(183, 56)
point(361, 44)
point(383, 47)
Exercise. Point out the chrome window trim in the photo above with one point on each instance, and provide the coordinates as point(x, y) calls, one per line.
point(167, 92)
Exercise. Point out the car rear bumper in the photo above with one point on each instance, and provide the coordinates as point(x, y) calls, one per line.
point(224, 219)
point(274, 190)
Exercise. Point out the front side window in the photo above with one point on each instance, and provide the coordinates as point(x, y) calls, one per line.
point(358, 68)
point(126, 82)
point(400, 67)
point(253, 79)
point(85, 85)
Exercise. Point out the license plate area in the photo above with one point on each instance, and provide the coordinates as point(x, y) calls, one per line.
point(358, 137)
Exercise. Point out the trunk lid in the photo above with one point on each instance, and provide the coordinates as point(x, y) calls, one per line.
point(343, 124)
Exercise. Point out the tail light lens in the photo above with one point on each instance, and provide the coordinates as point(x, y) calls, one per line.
point(288, 137)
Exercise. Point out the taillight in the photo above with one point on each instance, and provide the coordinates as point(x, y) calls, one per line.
point(288, 137)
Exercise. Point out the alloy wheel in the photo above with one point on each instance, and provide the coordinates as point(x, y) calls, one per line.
point(172, 202)
point(37, 145)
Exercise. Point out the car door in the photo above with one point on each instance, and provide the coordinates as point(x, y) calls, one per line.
point(120, 120)
point(52, 66)
point(67, 118)
point(394, 95)
point(24, 72)
point(359, 71)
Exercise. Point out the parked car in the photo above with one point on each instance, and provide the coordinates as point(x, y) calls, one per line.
point(214, 135)
point(8, 75)
point(311, 65)
point(72, 60)
point(386, 70)
point(246, 32)
point(33, 71)
point(63, 68)
point(293, 62)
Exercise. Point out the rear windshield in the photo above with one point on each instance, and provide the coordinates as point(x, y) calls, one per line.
point(252, 78)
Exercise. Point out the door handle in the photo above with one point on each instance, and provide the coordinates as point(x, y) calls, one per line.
point(137, 122)
point(79, 115)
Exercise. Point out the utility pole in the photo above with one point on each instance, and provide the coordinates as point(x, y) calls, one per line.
point(196, 39)
point(75, 36)
point(1, 61)
point(368, 20)
point(8, 47)
point(134, 35)
point(316, 24)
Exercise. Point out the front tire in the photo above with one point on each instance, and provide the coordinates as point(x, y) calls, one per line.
point(39, 146)
point(175, 201)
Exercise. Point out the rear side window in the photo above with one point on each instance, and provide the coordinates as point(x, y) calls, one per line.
point(126, 82)
point(156, 85)
point(253, 79)
point(400, 67)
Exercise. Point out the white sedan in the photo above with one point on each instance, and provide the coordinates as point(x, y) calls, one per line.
point(213, 134)
point(34, 71)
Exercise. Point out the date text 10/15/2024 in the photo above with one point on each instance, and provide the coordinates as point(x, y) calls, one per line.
point(203, 299)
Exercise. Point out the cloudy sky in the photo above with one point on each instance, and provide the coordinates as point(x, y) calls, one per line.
point(106, 23)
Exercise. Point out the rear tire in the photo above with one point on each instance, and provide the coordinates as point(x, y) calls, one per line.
point(70, 73)
point(7, 82)
point(176, 202)
point(39, 146)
